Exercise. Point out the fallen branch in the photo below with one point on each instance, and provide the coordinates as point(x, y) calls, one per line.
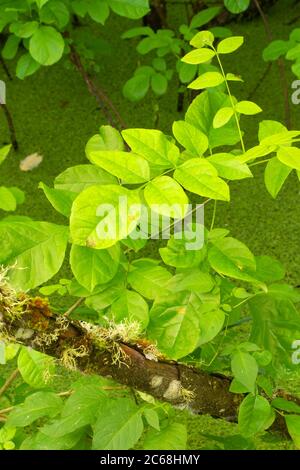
point(128, 363)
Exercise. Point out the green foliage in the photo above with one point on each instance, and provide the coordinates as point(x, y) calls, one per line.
point(167, 44)
point(183, 301)
point(9, 197)
point(289, 49)
point(42, 30)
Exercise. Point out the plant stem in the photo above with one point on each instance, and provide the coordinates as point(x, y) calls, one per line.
point(231, 100)
point(9, 381)
point(213, 216)
point(261, 80)
point(5, 68)
point(74, 307)
point(10, 125)
point(240, 322)
point(260, 162)
point(281, 67)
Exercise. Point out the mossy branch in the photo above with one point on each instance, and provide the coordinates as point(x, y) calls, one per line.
point(118, 352)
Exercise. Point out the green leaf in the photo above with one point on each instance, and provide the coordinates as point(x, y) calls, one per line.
point(79, 177)
point(80, 409)
point(198, 56)
point(35, 406)
point(10, 48)
point(166, 197)
point(276, 174)
point(41, 441)
point(152, 418)
point(191, 138)
point(230, 257)
point(285, 405)
point(178, 252)
point(55, 12)
point(138, 31)
point(268, 128)
point(129, 8)
point(119, 425)
point(148, 279)
point(201, 114)
point(130, 167)
point(18, 194)
point(36, 248)
point(98, 11)
point(245, 369)
point(26, 66)
point(136, 88)
point(159, 84)
point(293, 425)
point(247, 107)
point(93, 267)
point(153, 145)
point(210, 324)
point(24, 30)
point(236, 6)
point(4, 151)
point(36, 368)
point(203, 38)
point(200, 177)
point(207, 80)
point(41, 3)
point(268, 269)
point(108, 138)
point(228, 45)
point(194, 280)
point(229, 166)
point(7, 199)
point(186, 72)
point(60, 199)
point(174, 324)
point(222, 117)
point(171, 437)
point(279, 325)
point(289, 156)
point(255, 415)
point(46, 45)
point(275, 50)
point(99, 217)
point(204, 17)
point(130, 305)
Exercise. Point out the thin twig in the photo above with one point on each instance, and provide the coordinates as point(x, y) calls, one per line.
point(5, 68)
point(10, 124)
point(9, 381)
point(281, 67)
point(103, 100)
point(6, 410)
point(74, 307)
point(260, 81)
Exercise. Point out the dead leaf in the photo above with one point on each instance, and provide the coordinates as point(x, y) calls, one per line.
point(30, 162)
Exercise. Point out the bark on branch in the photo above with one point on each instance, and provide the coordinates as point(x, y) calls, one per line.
point(95, 350)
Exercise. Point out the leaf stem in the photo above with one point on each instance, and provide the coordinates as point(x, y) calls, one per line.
point(231, 100)
point(214, 215)
point(9, 381)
